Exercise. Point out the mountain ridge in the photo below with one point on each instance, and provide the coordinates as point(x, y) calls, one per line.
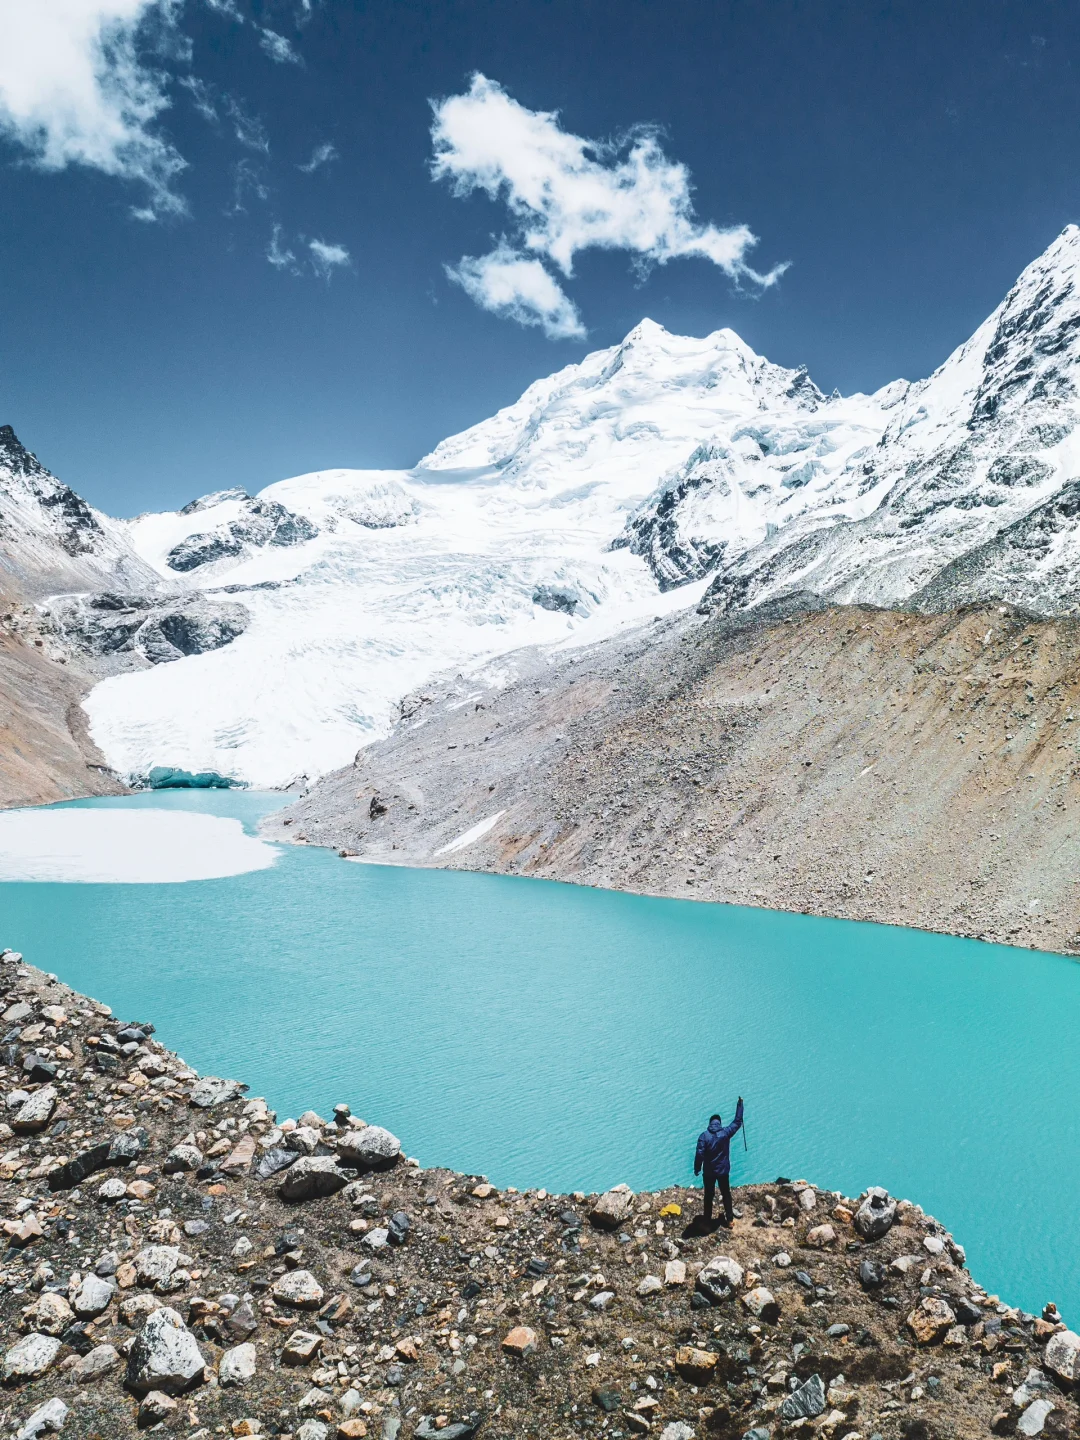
point(663, 472)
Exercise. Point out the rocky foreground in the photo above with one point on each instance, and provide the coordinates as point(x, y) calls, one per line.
point(179, 1260)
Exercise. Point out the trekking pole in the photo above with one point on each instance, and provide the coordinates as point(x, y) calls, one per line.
point(744, 1144)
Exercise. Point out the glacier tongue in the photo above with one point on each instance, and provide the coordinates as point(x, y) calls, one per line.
point(651, 474)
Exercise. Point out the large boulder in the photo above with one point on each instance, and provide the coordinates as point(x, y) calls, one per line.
point(30, 1357)
point(211, 1091)
point(371, 1148)
point(719, 1279)
point(34, 1114)
point(50, 1314)
point(875, 1216)
point(613, 1208)
point(164, 1356)
point(805, 1403)
point(931, 1320)
point(92, 1297)
point(312, 1177)
point(237, 1366)
point(1062, 1356)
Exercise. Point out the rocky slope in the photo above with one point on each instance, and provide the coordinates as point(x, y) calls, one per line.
point(847, 761)
point(180, 1261)
point(45, 752)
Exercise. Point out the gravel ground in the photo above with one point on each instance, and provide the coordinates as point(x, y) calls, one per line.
point(878, 765)
point(149, 1286)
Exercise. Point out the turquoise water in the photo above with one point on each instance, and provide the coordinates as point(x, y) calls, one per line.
point(549, 1035)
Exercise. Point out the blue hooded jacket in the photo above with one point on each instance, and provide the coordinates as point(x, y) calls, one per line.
point(714, 1144)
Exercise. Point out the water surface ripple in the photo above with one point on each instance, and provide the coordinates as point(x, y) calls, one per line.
point(550, 1035)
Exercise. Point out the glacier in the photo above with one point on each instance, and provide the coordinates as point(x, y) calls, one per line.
point(275, 634)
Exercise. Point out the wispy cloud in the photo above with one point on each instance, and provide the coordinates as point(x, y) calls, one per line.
point(248, 129)
point(566, 194)
point(325, 259)
point(76, 90)
point(248, 184)
point(279, 255)
point(278, 48)
point(202, 97)
point(519, 288)
point(321, 155)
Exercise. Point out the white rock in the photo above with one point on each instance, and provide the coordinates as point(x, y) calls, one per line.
point(1033, 1419)
point(30, 1357)
point(1062, 1355)
point(237, 1366)
point(155, 1264)
point(113, 1189)
point(92, 1297)
point(650, 1285)
point(46, 1419)
point(298, 1288)
point(164, 1356)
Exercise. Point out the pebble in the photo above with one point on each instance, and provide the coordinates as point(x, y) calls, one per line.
point(520, 1341)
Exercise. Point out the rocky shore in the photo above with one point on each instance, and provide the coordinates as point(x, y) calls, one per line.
point(848, 761)
point(180, 1260)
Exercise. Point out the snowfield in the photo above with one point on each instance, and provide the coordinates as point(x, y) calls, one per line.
point(276, 634)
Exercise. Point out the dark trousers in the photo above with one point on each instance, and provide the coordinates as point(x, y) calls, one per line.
point(724, 1181)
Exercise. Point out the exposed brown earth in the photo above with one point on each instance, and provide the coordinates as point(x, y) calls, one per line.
point(156, 1277)
point(877, 765)
point(45, 751)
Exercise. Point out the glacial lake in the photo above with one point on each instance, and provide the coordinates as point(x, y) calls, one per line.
point(551, 1035)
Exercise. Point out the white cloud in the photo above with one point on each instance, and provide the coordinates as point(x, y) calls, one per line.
point(278, 48)
point(321, 155)
point(202, 97)
point(74, 90)
point(279, 255)
point(518, 287)
point(326, 258)
point(569, 194)
point(248, 129)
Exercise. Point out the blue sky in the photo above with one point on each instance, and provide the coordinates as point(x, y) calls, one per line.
point(905, 161)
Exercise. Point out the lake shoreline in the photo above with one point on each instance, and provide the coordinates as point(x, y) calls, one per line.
point(284, 1304)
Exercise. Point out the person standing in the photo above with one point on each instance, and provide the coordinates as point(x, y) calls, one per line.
point(714, 1159)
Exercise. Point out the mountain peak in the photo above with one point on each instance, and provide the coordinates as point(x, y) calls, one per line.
point(14, 456)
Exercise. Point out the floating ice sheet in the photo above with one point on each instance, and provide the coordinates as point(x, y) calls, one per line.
point(137, 847)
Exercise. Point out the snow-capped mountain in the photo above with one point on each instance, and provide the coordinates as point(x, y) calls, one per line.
point(972, 492)
point(50, 538)
point(281, 631)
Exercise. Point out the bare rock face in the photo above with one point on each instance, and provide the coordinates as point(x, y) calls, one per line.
point(613, 1208)
point(165, 1356)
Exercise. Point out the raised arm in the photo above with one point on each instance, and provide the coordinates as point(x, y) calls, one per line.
point(730, 1130)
